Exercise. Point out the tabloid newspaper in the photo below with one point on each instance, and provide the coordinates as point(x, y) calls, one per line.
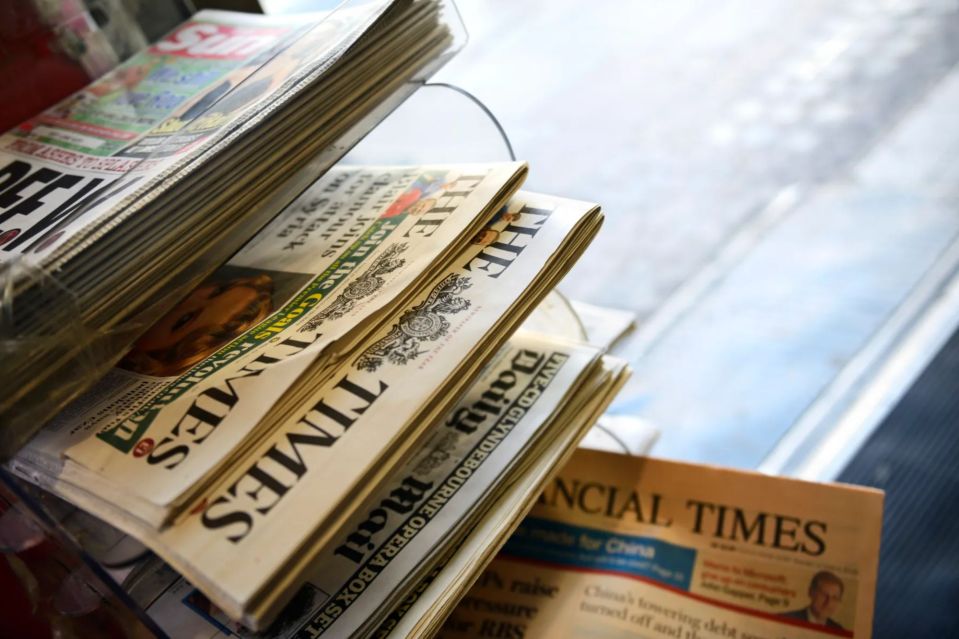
point(73, 167)
point(197, 385)
point(638, 547)
point(430, 602)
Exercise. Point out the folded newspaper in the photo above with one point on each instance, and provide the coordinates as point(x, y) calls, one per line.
point(269, 442)
point(142, 183)
point(526, 411)
point(244, 351)
point(639, 547)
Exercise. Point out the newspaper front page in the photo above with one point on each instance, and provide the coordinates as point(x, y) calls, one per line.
point(376, 407)
point(519, 401)
point(72, 168)
point(197, 384)
point(637, 547)
point(298, 487)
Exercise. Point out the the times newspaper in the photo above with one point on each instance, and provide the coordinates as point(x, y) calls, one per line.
point(197, 384)
point(638, 547)
point(535, 391)
point(297, 485)
point(348, 433)
point(127, 131)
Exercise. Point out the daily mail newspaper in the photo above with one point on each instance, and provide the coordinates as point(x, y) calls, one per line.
point(444, 485)
point(89, 160)
point(468, 459)
point(197, 384)
point(425, 606)
point(640, 547)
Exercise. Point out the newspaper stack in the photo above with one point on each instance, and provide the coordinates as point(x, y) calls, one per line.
point(255, 427)
point(142, 183)
point(449, 493)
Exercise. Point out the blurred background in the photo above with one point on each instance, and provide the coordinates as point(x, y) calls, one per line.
point(779, 180)
point(781, 186)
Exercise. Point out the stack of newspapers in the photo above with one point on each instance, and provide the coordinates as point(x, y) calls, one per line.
point(306, 390)
point(345, 406)
point(126, 194)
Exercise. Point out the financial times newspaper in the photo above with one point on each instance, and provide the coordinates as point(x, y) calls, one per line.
point(377, 556)
point(71, 171)
point(639, 547)
point(198, 383)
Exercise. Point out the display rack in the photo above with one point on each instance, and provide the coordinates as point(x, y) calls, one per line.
point(39, 312)
point(67, 566)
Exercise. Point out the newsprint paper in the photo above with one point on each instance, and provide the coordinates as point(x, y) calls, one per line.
point(137, 186)
point(210, 375)
point(536, 393)
point(623, 546)
point(297, 486)
point(160, 108)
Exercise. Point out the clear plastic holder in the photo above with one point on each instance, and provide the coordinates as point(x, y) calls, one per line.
point(102, 555)
point(89, 557)
point(460, 129)
point(42, 321)
point(51, 585)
